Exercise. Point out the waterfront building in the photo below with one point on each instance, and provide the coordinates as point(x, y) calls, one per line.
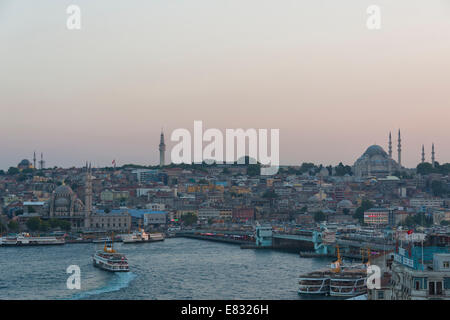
point(379, 216)
point(421, 273)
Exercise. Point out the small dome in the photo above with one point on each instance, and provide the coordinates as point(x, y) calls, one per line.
point(345, 204)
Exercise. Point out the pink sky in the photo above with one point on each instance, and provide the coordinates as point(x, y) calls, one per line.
point(311, 69)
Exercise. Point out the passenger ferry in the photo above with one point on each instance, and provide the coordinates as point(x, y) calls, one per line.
point(340, 280)
point(24, 239)
point(157, 236)
point(315, 283)
point(349, 282)
point(136, 237)
point(110, 260)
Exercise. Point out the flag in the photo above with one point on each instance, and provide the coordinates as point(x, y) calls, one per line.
point(410, 231)
point(114, 163)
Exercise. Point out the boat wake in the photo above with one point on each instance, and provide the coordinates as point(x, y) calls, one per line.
point(118, 282)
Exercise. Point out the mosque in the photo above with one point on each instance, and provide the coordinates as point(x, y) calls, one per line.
point(375, 162)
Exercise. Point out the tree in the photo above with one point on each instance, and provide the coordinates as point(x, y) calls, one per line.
point(13, 170)
point(438, 188)
point(319, 216)
point(44, 226)
point(189, 218)
point(33, 223)
point(254, 169)
point(13, 226)
point(269, 194)
point(65, 225)
point(359, 212)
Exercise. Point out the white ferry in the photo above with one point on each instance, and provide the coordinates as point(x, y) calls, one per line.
point(341, 280)
point(349, 283)
point(157, 236)
point(315, 283)
point(110, 260)
point(24, 239)
point(136, 237)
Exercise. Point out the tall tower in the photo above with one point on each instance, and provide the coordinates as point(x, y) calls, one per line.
point(390, 145)
point(34, 160)
point(88, 197)
point(41, 162)
point(399, 149)
point(390, 153)
point(423, 153)
point(162, 150)
point(433, 160)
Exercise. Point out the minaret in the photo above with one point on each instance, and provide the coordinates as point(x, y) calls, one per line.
point(423, 154)
point(41, 163)
point(88, 196)
point(399, 149)
point(34, 160)
point(390, 154)
point(162, 150)
point(432, 156)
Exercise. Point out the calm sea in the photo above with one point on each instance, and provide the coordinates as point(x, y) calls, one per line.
point(176, 268)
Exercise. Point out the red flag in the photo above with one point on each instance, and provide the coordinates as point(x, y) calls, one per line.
point(114, 162)
point(410, 231)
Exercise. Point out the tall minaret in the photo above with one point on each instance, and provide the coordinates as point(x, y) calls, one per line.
point(390, 145)
point(88, 196)
point(162, 150)
point(390, 153)
point(399, 149)
point(41, 163)
point(34, 160)
point(423, 153)
point(433, 162)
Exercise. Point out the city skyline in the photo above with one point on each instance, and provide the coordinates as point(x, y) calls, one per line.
point(314, 71)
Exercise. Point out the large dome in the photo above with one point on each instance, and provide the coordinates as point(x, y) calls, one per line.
point(375, 150)
point(63, 190)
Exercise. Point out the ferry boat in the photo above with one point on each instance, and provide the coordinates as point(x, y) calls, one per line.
point(24, 239)
point(341, 280)
point(110, 260)
point(157, 236)
point(315, 283)
point(349, 283)
point(136, 237)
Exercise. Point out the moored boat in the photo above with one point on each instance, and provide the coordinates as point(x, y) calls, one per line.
point(24, 239)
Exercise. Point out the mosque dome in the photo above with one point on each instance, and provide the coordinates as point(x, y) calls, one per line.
point(63, 190)
point(375, 150)
point(345, 204)
point(62, 202)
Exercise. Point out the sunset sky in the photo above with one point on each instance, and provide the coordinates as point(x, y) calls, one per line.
point(309, 68)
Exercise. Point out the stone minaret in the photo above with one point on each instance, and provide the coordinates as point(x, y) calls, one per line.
point(34, 160)
point(162, 150)
point(423, 154)
point(88, 196)
point(433, 160)
point(390, 153)
point(399, 149)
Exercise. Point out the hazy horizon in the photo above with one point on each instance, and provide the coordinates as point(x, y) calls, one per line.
point(311, 69)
